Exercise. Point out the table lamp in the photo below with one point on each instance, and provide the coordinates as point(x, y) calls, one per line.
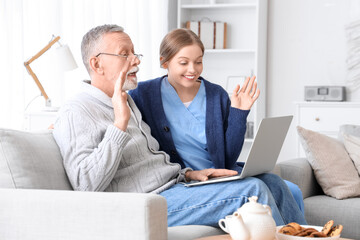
point(67, 63)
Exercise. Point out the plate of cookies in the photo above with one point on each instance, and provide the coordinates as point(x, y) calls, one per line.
point(295, 231)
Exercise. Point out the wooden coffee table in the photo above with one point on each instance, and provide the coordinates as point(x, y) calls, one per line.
point(227, 237)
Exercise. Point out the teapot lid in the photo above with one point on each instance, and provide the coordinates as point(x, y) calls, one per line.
point(253, 206)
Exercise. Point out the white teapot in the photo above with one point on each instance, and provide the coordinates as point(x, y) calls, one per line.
point(255, 221)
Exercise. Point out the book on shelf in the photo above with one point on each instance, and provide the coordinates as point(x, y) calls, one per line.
point(212, 34)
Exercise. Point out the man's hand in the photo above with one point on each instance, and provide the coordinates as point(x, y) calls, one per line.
point(119, 100)
point(245, 98)
point(205, 174)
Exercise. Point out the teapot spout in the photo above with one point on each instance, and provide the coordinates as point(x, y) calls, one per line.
point(238, 216)
point(242, 233)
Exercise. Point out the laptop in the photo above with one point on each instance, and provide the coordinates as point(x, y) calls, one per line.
point(264, 151)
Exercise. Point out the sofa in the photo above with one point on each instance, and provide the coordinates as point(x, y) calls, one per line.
point(37, 201)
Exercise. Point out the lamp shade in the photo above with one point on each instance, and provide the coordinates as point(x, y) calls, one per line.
point(65, 58)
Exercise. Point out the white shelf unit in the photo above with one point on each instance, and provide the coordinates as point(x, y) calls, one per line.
point(325, 118)
point(245, 54)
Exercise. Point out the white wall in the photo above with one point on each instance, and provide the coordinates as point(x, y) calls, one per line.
point(306, 46)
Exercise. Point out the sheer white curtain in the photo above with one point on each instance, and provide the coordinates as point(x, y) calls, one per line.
point(28, 25)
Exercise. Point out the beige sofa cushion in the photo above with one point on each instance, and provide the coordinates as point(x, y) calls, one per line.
point(31, 160)
point(333, 168)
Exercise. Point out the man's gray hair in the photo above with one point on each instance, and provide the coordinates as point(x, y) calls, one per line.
point(90, 41)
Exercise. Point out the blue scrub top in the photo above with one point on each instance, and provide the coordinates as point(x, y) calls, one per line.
point(187, 126)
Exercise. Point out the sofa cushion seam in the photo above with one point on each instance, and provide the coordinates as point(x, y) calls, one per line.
point(7, 163)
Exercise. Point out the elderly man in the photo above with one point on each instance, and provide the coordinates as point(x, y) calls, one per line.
point(107, 147)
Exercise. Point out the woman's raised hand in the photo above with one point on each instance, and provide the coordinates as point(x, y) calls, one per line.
point(245, 97)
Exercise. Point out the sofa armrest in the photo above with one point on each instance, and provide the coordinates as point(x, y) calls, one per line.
point(299, 171)
point(53, 214)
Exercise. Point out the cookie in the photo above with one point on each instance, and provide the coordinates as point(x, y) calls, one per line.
point(327, 227)
point(310, 230)
point(318, 234)
point(295, 225)
point(301, 233)
point(336, 230)
point(288, 230)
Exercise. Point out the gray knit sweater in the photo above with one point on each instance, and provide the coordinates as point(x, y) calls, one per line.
point(100, 157)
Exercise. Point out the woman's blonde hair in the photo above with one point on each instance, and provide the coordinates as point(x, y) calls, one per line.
point(175, 40)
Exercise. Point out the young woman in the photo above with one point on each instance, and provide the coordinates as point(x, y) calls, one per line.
point(194, 120)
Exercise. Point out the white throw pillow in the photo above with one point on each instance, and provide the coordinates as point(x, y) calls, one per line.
point(333, 168)
point(349, 129)
point(352, 145)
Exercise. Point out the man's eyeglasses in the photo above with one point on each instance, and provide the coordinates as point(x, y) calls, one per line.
point(139, 56)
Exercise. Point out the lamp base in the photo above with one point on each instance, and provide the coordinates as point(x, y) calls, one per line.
point(50, 109)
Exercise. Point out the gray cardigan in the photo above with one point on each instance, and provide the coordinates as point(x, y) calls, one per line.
point(100, 157)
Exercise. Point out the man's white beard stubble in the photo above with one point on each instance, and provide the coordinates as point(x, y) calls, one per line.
point(130, 83)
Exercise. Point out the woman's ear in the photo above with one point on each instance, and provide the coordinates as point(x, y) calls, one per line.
point(165, 64)
point(95, 65)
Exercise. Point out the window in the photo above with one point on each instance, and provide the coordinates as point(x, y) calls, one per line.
point(28, 26)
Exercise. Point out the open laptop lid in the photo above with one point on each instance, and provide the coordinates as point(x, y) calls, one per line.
point(267, 145)
point(264, 151)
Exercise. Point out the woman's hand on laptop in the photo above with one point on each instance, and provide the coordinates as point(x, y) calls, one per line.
point(205, 174)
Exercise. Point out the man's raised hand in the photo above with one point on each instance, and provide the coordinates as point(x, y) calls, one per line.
point(119, 100)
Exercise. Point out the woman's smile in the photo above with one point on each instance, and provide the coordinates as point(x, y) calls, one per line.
point(189, 77)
